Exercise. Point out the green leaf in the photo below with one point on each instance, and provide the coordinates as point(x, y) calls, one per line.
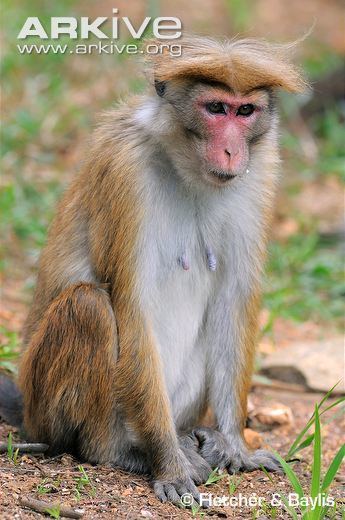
point(338, 401)
point(288, 507)
point(291, 476)
point(294, 448)
point(304, 444)
point(327, 395)
point(333, 468)
point(214, 476)
point(316, 469)
point(9, 446)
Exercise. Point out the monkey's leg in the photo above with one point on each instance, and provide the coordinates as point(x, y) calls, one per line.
point(67, 374)
point(231, 333)
point(73, 377)
point(141, 393)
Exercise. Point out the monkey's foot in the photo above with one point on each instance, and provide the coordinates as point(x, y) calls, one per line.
point(219, 453)
point(176, 490)
point(178, 484)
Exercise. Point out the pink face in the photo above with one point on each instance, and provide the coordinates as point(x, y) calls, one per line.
point(228, 120)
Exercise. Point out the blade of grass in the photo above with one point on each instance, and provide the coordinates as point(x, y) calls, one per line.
point(296, 442)
point(291, 475)
point(304, 444)
point(267, 474)
point(288, 507)
point(214, 476)
point(310, 438)
point(333, 468)
point(316, 467)
point(327, 395)
point(338, 401)
point(9, 446)
point(295, 445)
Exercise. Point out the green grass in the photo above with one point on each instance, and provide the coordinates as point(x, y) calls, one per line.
point(303, 440)
point(83, 484)
point(12, 454)
point(9, 350)
point(54, 512)
point(331, 131)
point(313, 501)
point(320, 484)
point(44, 120)
point(305, 280)
point(215, 476)
point(47, 486)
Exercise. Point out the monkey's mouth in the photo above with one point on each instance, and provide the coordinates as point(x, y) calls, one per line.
point(222, 176)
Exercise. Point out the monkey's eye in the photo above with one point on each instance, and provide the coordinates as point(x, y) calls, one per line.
point(216, 107)
point(245, 110)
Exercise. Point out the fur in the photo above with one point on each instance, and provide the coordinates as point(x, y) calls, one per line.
point(126, 347)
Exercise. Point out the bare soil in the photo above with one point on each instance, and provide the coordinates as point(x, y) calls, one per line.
point(112, 493)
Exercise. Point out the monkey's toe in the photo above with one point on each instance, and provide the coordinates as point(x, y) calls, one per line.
point(212, 447)
point(255, 460)
point(220, 453)
point(182, 493)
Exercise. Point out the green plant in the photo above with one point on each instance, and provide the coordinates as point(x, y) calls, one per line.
point(83, 483)
point(43, 488)
point(196, 510)
point(301, 441)
point(234, 482)
point(8, 350)
point(12, 454)
point(315, 505)
point(266, 509)
point(304, 280)
point(214, 477)
point(54, 511)
point(47, 486)
point(269, 510)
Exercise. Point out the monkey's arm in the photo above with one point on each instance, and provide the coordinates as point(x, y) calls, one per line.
point(115, 210)
point(141, 393)
point(232, 329)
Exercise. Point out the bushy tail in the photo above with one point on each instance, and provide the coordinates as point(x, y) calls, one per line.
point(11, 402)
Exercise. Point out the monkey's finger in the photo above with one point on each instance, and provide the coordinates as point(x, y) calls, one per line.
point(189, 489)
point(172, 494)
point(158, 488)
point(234, 467)
point(202, 434)
point(267, 460)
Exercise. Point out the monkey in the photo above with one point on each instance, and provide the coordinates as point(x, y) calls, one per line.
point(145, 311)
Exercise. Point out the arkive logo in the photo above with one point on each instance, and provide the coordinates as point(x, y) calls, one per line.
point(163, 27)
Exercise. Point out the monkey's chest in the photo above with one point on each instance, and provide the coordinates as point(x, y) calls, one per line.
point(179, 277)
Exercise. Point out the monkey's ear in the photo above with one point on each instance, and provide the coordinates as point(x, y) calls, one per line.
point(160, 87)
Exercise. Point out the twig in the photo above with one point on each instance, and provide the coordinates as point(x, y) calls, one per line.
point(27, 447)
point(42, 507)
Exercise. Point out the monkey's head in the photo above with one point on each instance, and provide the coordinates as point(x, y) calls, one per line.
point(217, 103)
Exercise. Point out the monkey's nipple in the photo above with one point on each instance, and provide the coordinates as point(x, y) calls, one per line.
point(211, 259)
point(183, 261)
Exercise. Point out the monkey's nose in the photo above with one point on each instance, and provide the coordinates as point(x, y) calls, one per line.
point(231, 154)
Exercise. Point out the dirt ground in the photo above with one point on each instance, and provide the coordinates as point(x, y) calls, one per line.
point(113, 493)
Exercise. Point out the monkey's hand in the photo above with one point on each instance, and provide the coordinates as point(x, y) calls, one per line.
point(199, 468)
point(176, 482)
point(219, 453)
